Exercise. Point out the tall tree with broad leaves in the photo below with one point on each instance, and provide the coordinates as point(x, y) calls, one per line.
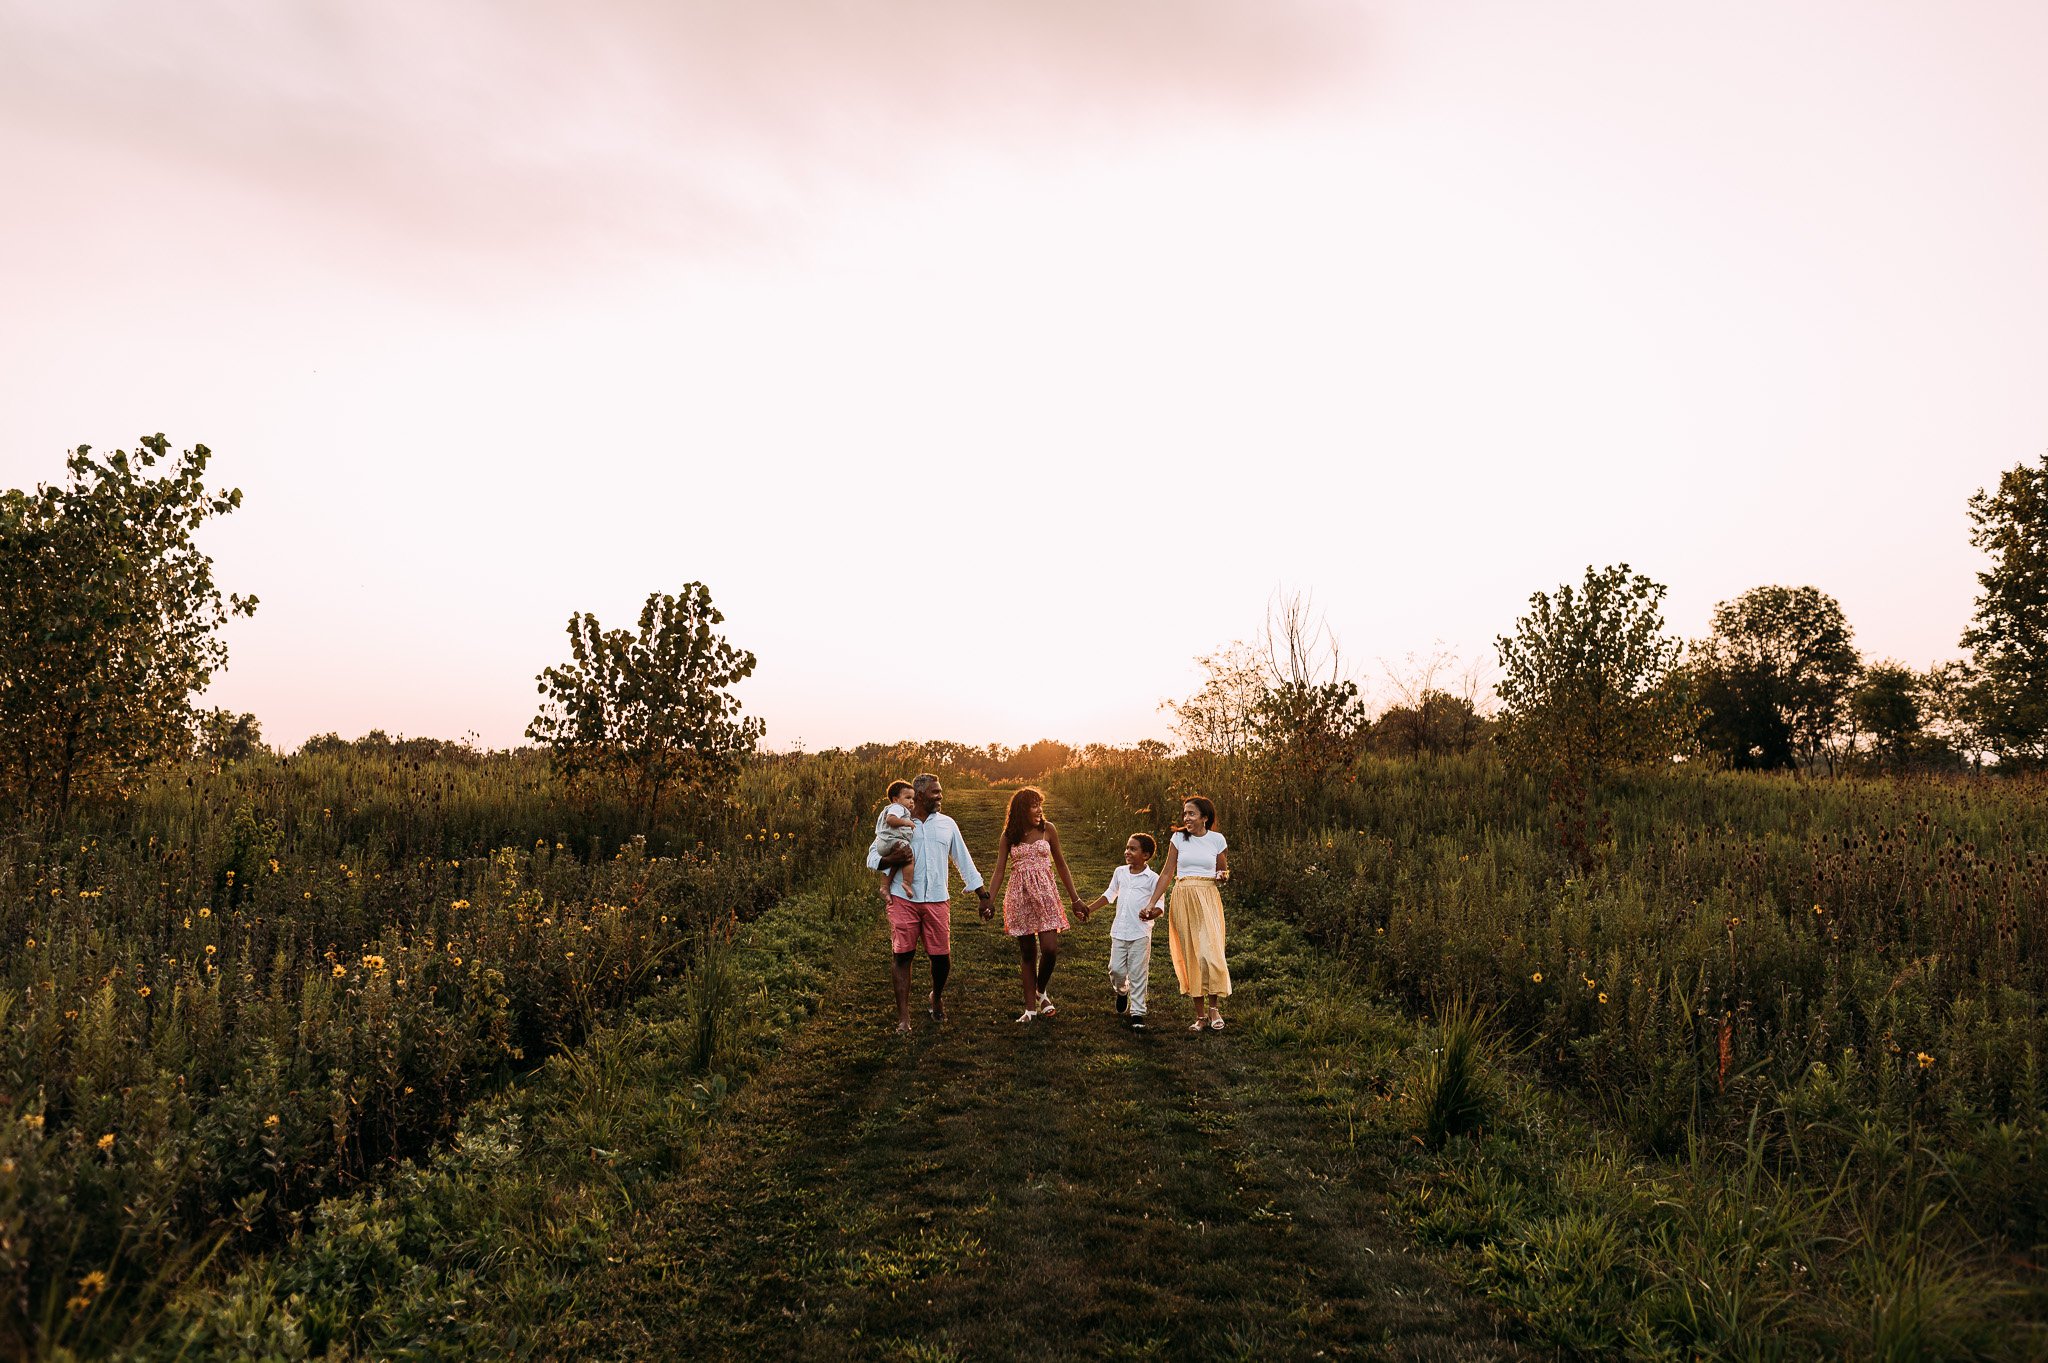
point(2008, 634)
point(1889, 707)
point(1588, 687)
point(1787, 650)
point(654, 707)
point(109, 621)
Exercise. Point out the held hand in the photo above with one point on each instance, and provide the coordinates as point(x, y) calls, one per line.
point(988, 905)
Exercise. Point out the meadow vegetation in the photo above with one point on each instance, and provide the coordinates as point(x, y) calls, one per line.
point(252, 987)
point(1694, 1001)
point(1806, 1019)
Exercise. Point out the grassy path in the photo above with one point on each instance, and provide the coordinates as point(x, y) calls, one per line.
point(985, 1190)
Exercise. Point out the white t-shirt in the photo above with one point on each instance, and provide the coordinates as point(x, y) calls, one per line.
point(1198, 855)
point(882, 819)
point(1131, 891)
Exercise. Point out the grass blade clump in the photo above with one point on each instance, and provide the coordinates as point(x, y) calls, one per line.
point(1449, 1090)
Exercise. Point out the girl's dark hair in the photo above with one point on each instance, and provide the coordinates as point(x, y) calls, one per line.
point(1207, 809)
point(898, 787)
point(1145, 841)
point(1014, 827)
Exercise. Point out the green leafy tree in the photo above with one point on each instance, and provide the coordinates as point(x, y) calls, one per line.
point(1309, 735)
point(1218, 718)
point(652, 707)
point(1949, 714)
point(109, 620)
point(1435, 723)
point(225, 736)
point(2008, 634)
point(1742, 719)
point(1587, 688)
point(1788, 649)
point(1887, 706)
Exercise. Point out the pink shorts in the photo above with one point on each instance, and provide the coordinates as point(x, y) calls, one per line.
point(908, 922)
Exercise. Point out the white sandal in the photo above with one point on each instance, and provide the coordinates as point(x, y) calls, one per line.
point(1198, 1024)
point(1028, 1015)
point(1046, 1007)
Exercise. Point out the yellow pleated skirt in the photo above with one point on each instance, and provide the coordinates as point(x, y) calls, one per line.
point(1194, 933)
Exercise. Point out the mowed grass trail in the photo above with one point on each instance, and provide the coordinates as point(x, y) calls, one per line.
point(1064, 1189)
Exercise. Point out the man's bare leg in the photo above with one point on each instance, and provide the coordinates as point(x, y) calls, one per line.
point(900, 975)
point(942, 965)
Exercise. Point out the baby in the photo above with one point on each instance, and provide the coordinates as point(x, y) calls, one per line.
point(893, 829)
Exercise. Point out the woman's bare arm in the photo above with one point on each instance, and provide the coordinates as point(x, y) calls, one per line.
point(1223, 865)
point(1166, 874)
point(1002, 865)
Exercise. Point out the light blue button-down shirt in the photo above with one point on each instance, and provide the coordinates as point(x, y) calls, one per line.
point(934, 840)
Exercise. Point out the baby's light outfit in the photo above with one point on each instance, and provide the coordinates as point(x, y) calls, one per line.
point(886, 837)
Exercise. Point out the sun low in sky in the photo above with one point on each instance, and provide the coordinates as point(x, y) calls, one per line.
point(990, 359)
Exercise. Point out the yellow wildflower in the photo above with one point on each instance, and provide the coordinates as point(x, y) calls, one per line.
point(210, 948)
point(32, 1120)
point(1536, 978)
point(107, 1141)
point(93, 1281)
point(144, 991)
point(206, 913)
point(1924, 1058)
point(339, 971)
point(271, 1121)
point(1603, 996)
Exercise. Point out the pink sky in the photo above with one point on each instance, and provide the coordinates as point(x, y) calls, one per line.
point(1098, 322)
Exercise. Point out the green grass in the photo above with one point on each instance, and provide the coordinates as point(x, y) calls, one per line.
point(980, 1190)
point(752, 1165)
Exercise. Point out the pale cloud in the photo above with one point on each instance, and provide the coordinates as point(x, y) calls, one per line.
point(521, 127)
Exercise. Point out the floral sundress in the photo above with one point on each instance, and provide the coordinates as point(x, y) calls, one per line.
point(1031, 901)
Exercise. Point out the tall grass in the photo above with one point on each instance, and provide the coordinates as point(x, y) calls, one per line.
point(1837, 980)
point(252, 988)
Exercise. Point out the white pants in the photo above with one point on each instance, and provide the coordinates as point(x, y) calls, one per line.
point(1130, 967)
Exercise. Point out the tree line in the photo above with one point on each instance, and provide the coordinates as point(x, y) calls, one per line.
point(110, 624)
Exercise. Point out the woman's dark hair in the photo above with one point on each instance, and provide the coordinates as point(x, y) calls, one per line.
point(898, 787)
point(1145, 841)
point(1014, 827)
point(1207, 809)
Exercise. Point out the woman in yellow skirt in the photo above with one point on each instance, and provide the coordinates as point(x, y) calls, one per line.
point(1196, 861)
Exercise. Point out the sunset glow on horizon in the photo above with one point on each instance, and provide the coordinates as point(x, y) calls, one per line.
point(1053, 339)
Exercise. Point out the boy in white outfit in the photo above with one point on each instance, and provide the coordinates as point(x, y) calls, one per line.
point(1130, 935)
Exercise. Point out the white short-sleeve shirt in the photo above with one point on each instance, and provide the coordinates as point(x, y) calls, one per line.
point(882, 819)
point(1198, 855)
point(1131, 891)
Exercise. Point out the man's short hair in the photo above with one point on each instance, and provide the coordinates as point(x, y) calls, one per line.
point(923, 782)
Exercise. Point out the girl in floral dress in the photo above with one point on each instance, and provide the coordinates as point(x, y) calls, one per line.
point(1031, 903)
